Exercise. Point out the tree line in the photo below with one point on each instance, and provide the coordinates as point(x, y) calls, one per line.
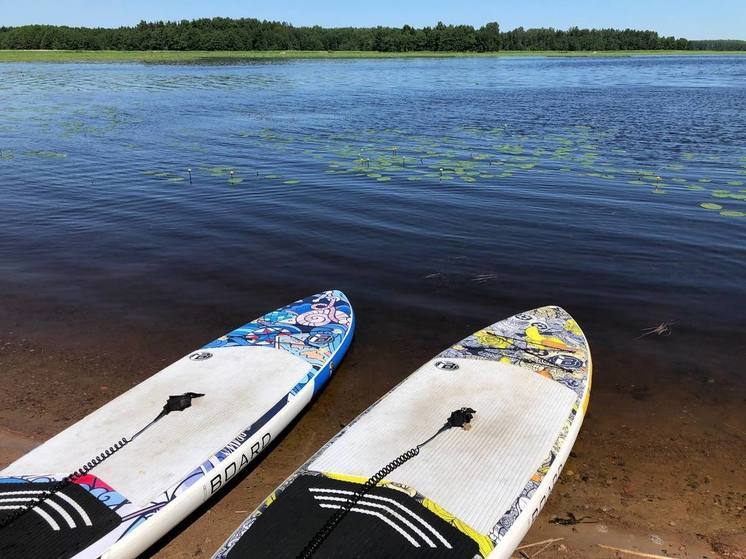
point(252, 34)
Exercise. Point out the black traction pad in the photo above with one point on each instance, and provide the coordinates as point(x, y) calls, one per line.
point(385, 523)
point(56, 528)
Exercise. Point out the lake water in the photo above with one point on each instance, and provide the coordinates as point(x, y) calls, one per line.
point(441, 195)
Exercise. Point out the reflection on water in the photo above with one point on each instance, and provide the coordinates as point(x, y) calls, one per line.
point(451, 191)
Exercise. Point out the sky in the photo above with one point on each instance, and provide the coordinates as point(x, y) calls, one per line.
point(693, 19)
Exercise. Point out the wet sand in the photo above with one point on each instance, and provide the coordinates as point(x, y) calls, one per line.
point(657, 468)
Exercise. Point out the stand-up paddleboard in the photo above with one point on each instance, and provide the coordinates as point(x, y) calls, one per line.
point(455, 462)
point(119, 479)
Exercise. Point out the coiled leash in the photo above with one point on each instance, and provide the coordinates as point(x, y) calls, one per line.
point(174, 403)
point(459, 418)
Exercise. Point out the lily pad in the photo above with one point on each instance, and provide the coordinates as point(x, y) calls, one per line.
point(291, 181)
point(711, 206)
point(45, 154)
point(235, 180)
point(219, 171)
point(732, 213)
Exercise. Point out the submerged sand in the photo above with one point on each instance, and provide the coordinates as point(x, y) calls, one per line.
point(658, 467)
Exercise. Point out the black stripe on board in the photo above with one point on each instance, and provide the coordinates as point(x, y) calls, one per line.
point(62, 524)
point(385, 523)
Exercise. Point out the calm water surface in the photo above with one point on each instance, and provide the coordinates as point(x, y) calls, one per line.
point(441, 195)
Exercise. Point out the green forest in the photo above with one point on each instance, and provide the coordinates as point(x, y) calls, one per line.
point(224, 34)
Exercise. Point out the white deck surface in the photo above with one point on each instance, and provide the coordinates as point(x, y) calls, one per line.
point(240, 384)
point(476, 474)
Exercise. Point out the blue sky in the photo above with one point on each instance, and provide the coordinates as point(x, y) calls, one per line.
point(694, 19)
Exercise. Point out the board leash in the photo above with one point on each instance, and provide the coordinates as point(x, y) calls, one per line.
point(459, 418)
point(174, 403)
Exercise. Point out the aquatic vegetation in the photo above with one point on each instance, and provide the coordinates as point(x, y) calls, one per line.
point(477, 155)
point(291, 181)
point(711, 206)
point(218, 171)
point(732, 213)
point(6, 154)
point(235, 180)
point(721, 193)
point(165, 176)
point(45, 154)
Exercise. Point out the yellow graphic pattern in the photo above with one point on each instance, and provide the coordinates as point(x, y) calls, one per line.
point(485, 543)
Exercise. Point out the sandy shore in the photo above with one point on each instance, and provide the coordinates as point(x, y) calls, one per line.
point(658, 467)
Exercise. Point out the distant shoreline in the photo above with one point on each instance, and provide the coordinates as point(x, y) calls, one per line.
point(164, 56)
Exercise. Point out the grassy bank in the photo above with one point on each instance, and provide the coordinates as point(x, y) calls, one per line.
point(184, 57)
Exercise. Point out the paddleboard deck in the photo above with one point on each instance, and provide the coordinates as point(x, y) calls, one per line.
point(138, 470)
point(465, 494)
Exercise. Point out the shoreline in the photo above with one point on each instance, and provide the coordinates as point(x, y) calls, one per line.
point(193, 57)
point(655, 468)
